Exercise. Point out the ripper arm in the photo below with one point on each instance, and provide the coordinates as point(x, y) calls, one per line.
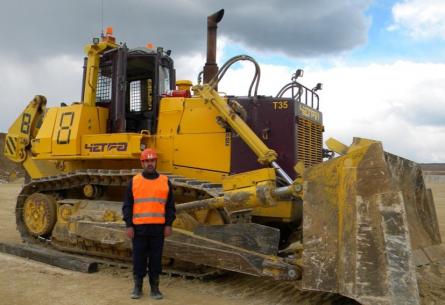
point(24, 129)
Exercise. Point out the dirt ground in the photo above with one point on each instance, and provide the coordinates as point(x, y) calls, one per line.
point(24, 282)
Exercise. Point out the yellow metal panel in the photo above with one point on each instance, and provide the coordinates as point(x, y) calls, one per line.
point(171, 104)
point(199, 117)
point(170, 115)
point(284, 210)
point(207, 151)
point(72, 122)
point(66, 131)
point(102, 113)
point(336, 146)
point(38, 168)
point(199, 174)
point(164, 147)
point(110, 146)
point(106, 146)
point(90, 121)
point(248, 179)
point(43, 141)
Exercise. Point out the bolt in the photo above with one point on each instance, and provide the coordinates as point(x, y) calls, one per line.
point(298, 187)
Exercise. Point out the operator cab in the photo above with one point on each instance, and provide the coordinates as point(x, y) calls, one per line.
point(130, 84)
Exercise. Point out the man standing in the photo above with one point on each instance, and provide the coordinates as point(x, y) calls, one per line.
point(149, 211)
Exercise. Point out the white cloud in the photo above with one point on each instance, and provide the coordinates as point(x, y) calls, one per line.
point(59, 79)
point(189, 66)
point(421, 18)
point(400, 104)
point(296, 28)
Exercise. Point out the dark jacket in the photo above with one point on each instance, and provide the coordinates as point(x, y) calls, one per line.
point(148, 229)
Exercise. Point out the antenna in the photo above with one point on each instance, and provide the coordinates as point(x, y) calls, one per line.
point(102, 18)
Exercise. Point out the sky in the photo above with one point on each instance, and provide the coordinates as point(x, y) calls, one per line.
point(381, 62)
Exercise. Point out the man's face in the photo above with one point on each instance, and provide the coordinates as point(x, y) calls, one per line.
point(149, 165)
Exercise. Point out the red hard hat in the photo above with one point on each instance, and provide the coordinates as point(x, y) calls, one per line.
point(148, 153)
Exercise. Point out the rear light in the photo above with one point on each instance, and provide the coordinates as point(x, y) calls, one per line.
point(177, 93)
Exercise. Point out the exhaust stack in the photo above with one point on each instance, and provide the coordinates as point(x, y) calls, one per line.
point(211, 68)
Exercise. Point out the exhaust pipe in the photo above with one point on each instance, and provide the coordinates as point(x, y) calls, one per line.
point(211, 68)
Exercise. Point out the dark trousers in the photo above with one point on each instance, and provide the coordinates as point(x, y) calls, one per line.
point(147, 248)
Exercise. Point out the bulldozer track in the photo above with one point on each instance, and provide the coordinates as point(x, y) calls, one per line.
point(114, 178)
point(54, 186)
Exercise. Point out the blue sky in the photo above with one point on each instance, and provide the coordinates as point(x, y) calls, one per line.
point(385, 45)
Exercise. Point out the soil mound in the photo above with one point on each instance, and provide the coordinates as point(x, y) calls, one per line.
point(433, 167)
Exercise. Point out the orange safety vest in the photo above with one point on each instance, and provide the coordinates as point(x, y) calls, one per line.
point(150, 197)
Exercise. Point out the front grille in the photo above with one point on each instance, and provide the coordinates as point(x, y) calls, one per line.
point(135, 96)
point(309, 141)
point(104, 84)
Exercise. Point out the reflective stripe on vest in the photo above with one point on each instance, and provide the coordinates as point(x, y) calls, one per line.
point(162, 200)
point(150, 196)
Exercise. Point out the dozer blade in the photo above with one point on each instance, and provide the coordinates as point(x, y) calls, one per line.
point(368, 219)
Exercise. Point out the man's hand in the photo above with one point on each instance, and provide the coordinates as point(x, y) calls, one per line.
point(130, 232)
point(167, 231)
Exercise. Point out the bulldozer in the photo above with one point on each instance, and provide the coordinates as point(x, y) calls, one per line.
point(255, 191)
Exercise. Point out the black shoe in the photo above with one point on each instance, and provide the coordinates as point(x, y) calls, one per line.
point(154, 289)
point(137, 290)
point(155, 293)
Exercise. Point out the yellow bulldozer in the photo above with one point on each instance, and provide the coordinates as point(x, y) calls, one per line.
point(252, 190)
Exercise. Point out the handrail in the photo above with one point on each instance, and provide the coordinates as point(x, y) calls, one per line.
point(303, 94)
